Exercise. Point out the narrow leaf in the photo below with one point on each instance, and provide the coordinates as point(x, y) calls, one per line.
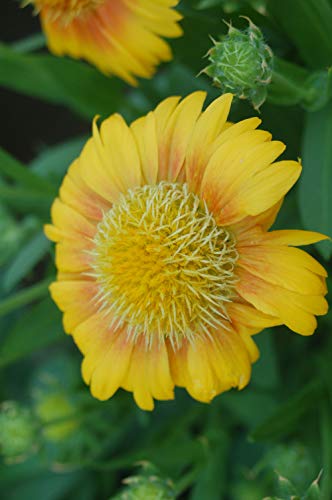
point(14, 170)
point(60, 81)
point(24, 297)
point(285, 419)
point(25, 260)
point(37, 328)
point(316, 180)
point(308, 24)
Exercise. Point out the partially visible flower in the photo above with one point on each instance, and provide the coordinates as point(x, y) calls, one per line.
point(166, 266)
point(18, 431)
point(242, 63)
point(120, 37)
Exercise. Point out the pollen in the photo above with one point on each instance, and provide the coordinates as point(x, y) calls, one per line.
point(163, 265)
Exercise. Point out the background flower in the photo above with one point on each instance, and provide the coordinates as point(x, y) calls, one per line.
point(120, 37)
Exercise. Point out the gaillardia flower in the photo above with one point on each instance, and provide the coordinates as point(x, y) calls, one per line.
point(166, 266)
point(120, 37)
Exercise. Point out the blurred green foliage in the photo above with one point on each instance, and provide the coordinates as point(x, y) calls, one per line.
point(274, 439)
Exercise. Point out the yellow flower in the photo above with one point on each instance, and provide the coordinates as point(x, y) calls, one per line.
point(120, 37)
point(166, 268)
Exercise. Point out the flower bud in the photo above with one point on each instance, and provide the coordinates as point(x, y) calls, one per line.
point(55, 411)
point(18, 431)
point(147, 486)
point(241, 63)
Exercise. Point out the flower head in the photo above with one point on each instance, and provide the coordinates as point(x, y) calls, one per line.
point(166, 266)
point(119, 37)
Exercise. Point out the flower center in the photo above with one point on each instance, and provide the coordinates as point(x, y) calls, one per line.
point(164, 266)
point(64, 11)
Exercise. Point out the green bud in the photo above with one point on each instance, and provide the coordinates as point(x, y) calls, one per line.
point(147, 486)
point(55, 412)
point(242, 63)
point(18, 431)
point(294, 462)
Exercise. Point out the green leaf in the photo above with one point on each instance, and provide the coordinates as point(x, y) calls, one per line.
point(308, 24)
point(286, 418)
point(60, 81)
point(12, 168)
point(37, 328)
point(30, 254)
point(24, 297)
point(23, 200)
point(315, 185)
point(54, 161)
point(211, 480)
point(265, 373)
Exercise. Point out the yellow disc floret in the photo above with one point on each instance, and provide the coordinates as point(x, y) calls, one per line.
point(164, 266)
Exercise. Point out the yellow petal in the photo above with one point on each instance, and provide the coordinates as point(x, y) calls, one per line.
point(76, 299)
point(71, 224)
point(269, 186)
point(224, 167)
point(246, 318)
point(277, 265)
point(73, 256)
point(294, 237)
point(276, 301)
point(75, 193)
point(112, 368)
point(207, 128)
point(119, 153)
point(174, 138)
point(149, 374)
point(144, 131)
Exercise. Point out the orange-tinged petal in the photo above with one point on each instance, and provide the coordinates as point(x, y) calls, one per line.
point(225, 166)
point(75, 193)
point(278, 265)
point(149, 374)
point(95, 170)
point(250, 228)
point(71, 224)
point(277, 301)
point(118, 146)
point(261, 192)
point(76, 299)
point(247, 319)
point(174, 139)
point(293, 237)
point(207, 128)
point(231, 131)
point(112, 368)
point(73, 256)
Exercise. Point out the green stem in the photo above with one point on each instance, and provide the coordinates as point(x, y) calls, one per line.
point(24, 297)
point(292, 85)
point(289, 85)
